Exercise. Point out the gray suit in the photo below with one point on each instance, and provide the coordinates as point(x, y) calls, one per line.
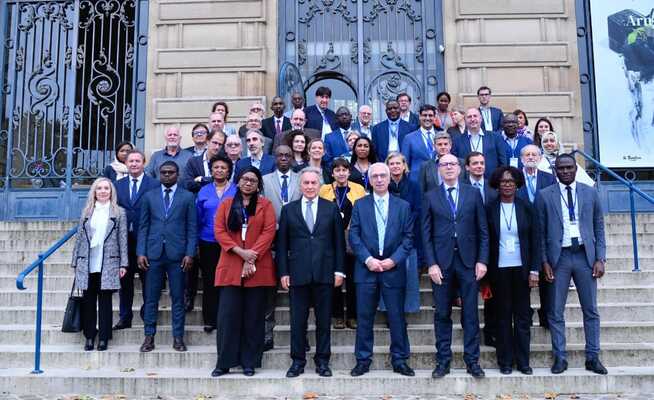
point(272, 190)
point(567, 263)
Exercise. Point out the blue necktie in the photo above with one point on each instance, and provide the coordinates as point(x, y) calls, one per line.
point(167, 199)
point(285, 188)
point(430, 147)
point(450, 199)
point(481, 190)
point(381, 224)
point(132, 195)
point(530, 188)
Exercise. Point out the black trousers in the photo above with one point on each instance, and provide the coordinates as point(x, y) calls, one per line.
point(240, 326)
point(191, 285)
point(126, 293)
point(349, 298)
point(303, 297)
point(490, 318)
point(94, 297)
point(209, 254)
point(513, 334)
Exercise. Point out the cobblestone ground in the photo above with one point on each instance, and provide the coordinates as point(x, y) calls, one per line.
point(313, 396)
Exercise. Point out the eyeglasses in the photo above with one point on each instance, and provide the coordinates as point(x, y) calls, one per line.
point(199, 133)
point(448, 164)
point(232, 144)
point(253, 181)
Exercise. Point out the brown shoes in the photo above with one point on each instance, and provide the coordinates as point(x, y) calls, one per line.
point(148, 344)
point(178, 344)
point(351, 323)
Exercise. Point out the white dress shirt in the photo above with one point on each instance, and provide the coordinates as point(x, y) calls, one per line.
point(394, 141)
point(509, 254)
point(476, 141)
point(479, 185)
point(567, 241)
point(139, 180)
point(486, 116)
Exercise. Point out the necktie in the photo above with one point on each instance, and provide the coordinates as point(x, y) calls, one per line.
point(571, 215)
point(132, 195)
point(308, 216)
point(285, 188)
point(430, 147)
point(394, 129)
point(450, 199)
point(278, 127)
point(167, 199)
point(481, 190)
point(381, 224)
point(530, 188)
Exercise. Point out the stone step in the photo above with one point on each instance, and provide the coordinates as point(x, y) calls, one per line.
point(422, 357)
point(195, 383)
point(624, 332)
point(60, 226)
point(53, 315)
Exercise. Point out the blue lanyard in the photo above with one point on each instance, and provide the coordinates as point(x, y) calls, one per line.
point(244, 214)
point(340, 199)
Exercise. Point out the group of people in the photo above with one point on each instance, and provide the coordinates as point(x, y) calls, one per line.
point(314, 203)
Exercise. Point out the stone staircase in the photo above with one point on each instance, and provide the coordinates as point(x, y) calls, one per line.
point(626, 303)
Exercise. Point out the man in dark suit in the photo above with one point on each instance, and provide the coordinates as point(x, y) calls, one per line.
point(381, 236)
point(130, 191)
point(319, 116)
point(310, 253)
point(513, 142)
point(573, 246)
point(455, 246)
point(388, 135)
point(278, 123)
point(429, 176)
point(491, 116)
point(404, 101)
point(336, 142)
point(263, 162)
point(363, 123)
point(490, 144)
point(166, 245)
point(197, 172)
point(298, 121)
point(535, 181)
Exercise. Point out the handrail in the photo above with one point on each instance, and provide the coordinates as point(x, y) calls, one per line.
point(632, 189)
point(20, 284)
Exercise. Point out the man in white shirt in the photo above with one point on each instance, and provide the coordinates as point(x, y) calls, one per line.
point(277, 123)
point(491, 116)
point(363, 124)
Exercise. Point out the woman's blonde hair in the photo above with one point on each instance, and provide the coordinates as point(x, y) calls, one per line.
point(397, 154)
point(90, 199)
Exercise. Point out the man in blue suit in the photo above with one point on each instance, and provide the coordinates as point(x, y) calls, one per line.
point(388, 135)
point(263, 162)
point(490, 144)
point(336, 142)
point(418, 146)
point(455, 246)
point(381, 235)
point(319, 116)
point(130, 191)
point(166, 245)
point(491, 116)
point(513, 142)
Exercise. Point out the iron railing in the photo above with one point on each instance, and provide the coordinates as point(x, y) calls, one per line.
point(20, 284)
point(632, 189)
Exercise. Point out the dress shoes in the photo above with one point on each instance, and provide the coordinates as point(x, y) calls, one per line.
point(307, 346)
point(543, 322)
point(339, 323)
point(440, 371)
point(359, 370)
point(506, 370)
point(209, 328)
point(559, 366)
point(295, 371)
point(189, 304)
point(475, 370)
point(178, 344)
point(351, 323)
point(90, 344)
point(102, 345)
point(148, 344)
point(596, 366)
point(123, 325)
point(526, 370)
point(324, 371)
point(248, 371)
point(490, 341)
point(219, 372)
point(403, 369)
point(268, 345)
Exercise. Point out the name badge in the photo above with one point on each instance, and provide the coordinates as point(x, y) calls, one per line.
point(509, 245)
point(513, 162)
point(244, 231)
point(574, 229)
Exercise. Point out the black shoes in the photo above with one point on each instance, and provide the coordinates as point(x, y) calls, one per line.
point(123, 325)
point(268, 346)
point(102, 345)
point(220, 372)
point(178, 344)
point(403, 369)
point(359, 370)
point(596, 367)
point(560, 365)
point(248, 371)
point(189, 304)
point(90, 344)
point(526, 370)
point(475, 370)
point(295, 371)
point(209, 328)
point(324, 371)
point(440, 371)
point(148, 344)
point(506, 370)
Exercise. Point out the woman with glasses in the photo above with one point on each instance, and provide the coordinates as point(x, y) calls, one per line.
point(513, 267)
point(245, 229)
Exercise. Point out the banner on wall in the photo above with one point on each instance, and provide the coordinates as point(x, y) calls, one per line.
point(623, 48)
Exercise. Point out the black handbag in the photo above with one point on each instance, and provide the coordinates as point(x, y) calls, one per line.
point(73, 314)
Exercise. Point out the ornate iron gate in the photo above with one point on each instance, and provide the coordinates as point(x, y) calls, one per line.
point(378, 48)
point(73, 82)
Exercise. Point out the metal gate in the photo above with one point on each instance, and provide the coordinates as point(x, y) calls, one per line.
point(73, 82)
point(377, 48)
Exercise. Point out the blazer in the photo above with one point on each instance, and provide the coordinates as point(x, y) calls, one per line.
point(439, 228)
point(428, 177)
point(310, 257)
point(309, 133)
point(178, 230)
point(259, 237)
point(356, 126)
point(266, 166)
point(490, 194)
point(335, 145)
point(543, 180)
point(133, 208)
point(414, 121)
point(398, 240)
point(354, 193)
point(110, 173)
point(381, 134)
point(114, 251)
point(497, 117)
point(527, 224)
point(550, 222)
point(494, 150)
point(454, 132)
point(515, 153)
point(314, 118)
point(272, 190)
point(268, 126)
point(416, 153)
point(195, 168)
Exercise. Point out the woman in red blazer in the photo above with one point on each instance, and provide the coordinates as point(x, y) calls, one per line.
point(245, 228)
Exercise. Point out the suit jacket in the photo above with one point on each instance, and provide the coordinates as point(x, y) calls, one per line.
point(428, 177)
point(195, 168)
point(543, 180)
point(310, 257)
point(309, 133)
point(335, 145)
point(490, 194)
point(527, 224)
point(416, 153)
point(497, 117)
point(133, 208)
point(272, 190)
point(414, 121)
point(494, 150)
point(178, 229)
point(268, 126)
point(356, 126)
point(381, 134)
point(550, 222)
point(266, 166)
point(398, 240)
point(439, 227)
point(314, 118)
point(515, 153)
point(267, 146)
point(259, 237)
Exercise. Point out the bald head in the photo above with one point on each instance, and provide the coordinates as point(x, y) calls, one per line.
point(449, 168)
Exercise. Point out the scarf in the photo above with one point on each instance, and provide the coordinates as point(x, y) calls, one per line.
point(120, 168)
point(99, 222)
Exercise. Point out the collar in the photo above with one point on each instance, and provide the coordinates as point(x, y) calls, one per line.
point(455, 186)
point(377, 197)
point(426, 132)
point(508, 138)
point(524, 171)
point(280, 173)
point(254, 158)
point(172, 188)
point(165, 149)
point(138, 178)
point(481, 181)
point(305, 200)
point(573, 185)
point(396, 122)
point(480, 133)
point(362, 125)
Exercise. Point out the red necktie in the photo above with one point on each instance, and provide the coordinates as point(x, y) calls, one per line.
point(278, 127)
